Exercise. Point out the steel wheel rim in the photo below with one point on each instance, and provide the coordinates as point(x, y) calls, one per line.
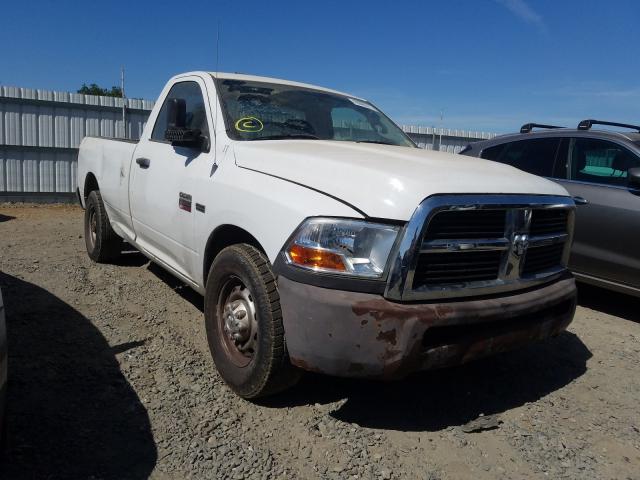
point(93, 226)
point(237, 322)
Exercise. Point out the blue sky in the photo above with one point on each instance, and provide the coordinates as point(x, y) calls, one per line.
point(488, 64)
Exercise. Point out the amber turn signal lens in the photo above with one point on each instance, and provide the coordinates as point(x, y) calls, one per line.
point(315, 258)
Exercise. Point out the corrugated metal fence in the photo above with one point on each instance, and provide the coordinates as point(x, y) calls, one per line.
point(40, 132)
point(444, 139)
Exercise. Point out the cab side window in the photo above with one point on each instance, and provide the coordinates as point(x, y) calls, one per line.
point(537, 156)
point(601, 161)
point(196, 111)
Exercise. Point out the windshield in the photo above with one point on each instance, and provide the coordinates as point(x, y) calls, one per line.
point(271, 111)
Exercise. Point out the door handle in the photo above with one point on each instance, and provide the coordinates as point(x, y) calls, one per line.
point(143, 162)
point(580, 201)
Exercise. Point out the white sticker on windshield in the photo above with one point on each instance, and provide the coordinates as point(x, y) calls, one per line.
point(362, 104)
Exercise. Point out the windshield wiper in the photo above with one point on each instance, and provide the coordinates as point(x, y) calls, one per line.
point(379, 142)
point(284, 137)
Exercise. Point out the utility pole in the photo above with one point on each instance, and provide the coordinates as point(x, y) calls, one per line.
point(124, 104)
point(440, 141)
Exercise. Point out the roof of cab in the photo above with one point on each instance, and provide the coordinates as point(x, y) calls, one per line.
point(255, 78)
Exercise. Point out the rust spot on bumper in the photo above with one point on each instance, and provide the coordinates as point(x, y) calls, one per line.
point(380, 309)
point(388, 336)
point(303, 364)
point(373, 337)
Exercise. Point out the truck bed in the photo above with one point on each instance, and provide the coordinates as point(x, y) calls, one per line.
point(108, 160)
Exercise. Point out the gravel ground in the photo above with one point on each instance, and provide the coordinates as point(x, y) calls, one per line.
point(110, 377)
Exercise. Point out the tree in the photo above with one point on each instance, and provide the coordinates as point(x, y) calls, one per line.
point(94, 89)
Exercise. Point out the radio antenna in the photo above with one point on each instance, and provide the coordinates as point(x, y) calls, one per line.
point(218, 48)
point(214, 167)
point(217, 66)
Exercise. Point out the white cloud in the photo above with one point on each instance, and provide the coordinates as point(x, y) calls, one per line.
point(523, 11)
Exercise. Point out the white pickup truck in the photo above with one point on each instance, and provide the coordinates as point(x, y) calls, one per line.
point(322, 238)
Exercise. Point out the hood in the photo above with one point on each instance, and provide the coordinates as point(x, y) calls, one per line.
point(384, 181)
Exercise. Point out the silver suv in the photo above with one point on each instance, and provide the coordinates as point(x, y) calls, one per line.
point(601, 169)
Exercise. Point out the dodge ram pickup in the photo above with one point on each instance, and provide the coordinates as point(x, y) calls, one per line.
point(322, 238)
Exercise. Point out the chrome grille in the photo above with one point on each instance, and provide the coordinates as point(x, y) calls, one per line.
point(457, 245)
point(544, 222)
point(543, 258)
point(438, 268)
point(467, 224)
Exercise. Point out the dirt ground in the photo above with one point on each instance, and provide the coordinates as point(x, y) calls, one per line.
point(110, 377)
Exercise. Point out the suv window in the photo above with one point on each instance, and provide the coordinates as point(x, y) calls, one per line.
point(535, 156)
point(493, 153)
point(601, 161)
point(196, 111)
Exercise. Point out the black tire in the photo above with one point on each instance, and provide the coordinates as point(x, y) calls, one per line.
point(243, 272)
point(103, 244)
point(4, 435)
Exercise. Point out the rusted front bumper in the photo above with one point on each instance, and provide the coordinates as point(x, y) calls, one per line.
point(354, 334)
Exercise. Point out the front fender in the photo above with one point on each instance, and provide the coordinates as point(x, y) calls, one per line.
point(268, 208)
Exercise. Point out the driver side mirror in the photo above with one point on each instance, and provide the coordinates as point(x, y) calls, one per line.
point(177, 132)
point(633, 178)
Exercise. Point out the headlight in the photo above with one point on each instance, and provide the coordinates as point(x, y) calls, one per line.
point(348, 247)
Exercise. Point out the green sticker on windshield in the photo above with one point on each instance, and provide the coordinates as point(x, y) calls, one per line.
point(249, 124)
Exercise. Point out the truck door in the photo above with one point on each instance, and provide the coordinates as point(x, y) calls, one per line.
point(163, 181)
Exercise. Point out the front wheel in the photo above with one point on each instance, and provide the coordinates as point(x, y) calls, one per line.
point(244, 323)
point(103, 244)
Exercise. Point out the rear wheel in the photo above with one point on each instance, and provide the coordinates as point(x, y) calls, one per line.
point(103, 244)
point(244, 323)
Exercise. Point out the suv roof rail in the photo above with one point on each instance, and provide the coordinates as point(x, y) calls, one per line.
point(587, 124)
point(527, 127)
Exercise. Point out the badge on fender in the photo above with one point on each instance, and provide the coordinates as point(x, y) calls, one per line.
point(184, 202)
